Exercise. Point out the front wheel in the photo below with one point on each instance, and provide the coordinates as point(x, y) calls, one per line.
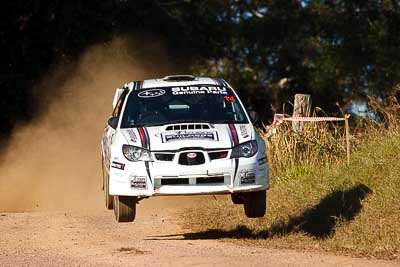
point(125, 208)
point(255, 204)
point(237, 198)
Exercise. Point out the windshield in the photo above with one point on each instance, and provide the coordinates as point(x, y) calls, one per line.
point(201, 103)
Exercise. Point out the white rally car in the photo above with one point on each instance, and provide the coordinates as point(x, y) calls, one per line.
point(181, 135)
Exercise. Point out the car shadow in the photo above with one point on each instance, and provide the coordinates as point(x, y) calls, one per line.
point(318, 221)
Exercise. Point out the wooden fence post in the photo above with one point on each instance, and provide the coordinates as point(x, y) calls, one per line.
point(347, 137)
point(301, 108)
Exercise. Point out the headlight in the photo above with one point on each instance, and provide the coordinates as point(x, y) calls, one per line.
point(134, 153)
point(245, 150)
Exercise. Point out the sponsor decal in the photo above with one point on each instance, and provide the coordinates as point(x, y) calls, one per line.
point(247, 177)
point(151, 93)
point(132, 135)
point(118, 165)
point(192, 90)
point(138, 182)
point(184, 135)
point(243, 131)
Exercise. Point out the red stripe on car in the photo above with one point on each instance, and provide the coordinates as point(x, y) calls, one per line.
point(142, 137)
point(234, 134)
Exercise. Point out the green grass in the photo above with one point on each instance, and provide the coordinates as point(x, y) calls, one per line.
point(344, 209)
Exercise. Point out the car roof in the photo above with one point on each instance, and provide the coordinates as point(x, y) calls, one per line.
point(175, 80)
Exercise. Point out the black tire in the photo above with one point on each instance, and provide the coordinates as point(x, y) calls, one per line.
point(255, 204)
point(237, 198)
point(125, 208)
point(108, 199)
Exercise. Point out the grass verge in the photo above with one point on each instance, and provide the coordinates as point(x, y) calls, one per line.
point(351, 209)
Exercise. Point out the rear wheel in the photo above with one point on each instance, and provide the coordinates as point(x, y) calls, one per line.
point(125, 208)
point(255, 204)
point(108, 198)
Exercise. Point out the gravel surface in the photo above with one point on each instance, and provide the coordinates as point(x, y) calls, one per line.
point(93, 238)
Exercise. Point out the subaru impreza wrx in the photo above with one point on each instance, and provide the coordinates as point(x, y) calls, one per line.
point(181, 135)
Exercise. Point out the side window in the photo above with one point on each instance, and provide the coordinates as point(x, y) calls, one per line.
point(117, 110)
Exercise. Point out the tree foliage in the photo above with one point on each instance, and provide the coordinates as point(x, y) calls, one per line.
point(336, 50)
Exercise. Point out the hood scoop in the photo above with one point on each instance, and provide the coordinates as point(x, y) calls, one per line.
point(187, 126)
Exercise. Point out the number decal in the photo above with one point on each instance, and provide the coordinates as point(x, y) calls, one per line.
point(229, 98)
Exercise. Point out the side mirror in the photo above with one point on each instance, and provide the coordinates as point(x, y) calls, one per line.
point(113, 122)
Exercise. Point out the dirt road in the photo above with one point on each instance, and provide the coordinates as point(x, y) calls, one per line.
point(53, 164)
point(93, 238)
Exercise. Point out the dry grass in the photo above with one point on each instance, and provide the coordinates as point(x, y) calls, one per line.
point(321, 144)
point(316, 200)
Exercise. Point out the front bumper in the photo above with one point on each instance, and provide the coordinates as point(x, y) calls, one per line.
point(223, 176)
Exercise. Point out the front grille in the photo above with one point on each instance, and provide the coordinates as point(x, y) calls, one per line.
point(164, 156)
point(210, 180)
point(218, 155)
point(188, 158)
point(170, 181)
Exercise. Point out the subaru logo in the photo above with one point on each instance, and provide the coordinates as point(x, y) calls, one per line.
point(191, 155)
point(151, 93)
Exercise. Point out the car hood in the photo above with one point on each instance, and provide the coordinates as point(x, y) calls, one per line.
point(176, 136)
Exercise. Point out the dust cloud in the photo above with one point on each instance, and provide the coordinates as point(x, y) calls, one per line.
point(54, 162)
